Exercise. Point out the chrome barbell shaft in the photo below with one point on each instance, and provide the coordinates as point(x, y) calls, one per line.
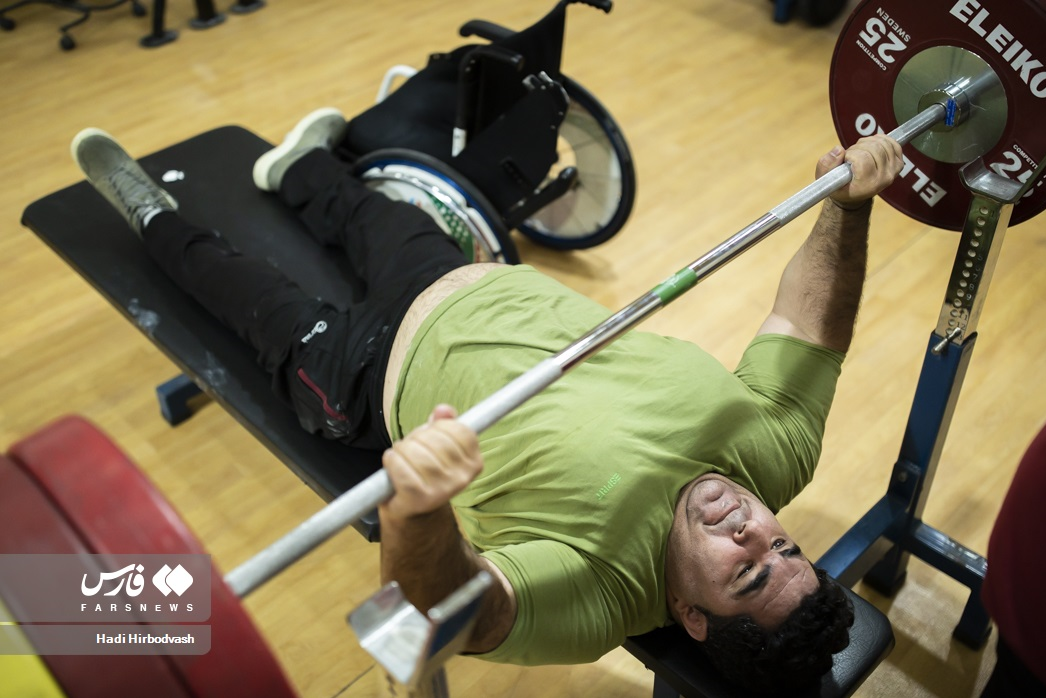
point(364, 497)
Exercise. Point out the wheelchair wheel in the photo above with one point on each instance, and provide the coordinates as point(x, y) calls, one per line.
point(453, 202)
point(600, 202)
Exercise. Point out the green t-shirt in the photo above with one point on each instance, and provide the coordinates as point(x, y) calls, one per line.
point(580, 483)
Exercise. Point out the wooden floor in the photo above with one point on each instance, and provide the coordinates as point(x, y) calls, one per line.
point(725, 112)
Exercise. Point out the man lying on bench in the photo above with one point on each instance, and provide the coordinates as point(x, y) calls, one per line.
point(637, 491)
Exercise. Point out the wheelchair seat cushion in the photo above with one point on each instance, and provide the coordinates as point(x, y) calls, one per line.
point(422, 113)
point(418, 116)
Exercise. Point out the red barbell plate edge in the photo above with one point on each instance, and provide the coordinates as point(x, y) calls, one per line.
point(876, 43)
point(118, 510)
point(31, 524)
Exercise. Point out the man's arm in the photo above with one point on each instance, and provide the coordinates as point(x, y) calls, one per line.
point(820, 289)
point(421, 545)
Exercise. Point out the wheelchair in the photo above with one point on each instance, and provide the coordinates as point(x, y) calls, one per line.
point(492, 137)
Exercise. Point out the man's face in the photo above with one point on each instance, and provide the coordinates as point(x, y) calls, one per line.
point(734, 556)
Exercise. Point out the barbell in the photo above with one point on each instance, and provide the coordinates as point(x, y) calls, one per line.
point(957, 80)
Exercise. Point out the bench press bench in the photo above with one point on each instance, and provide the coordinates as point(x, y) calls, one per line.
point(210, 176)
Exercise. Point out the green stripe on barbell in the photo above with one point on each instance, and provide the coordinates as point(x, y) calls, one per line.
point(675, 285)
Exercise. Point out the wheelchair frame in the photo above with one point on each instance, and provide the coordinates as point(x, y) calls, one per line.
point(585, 198)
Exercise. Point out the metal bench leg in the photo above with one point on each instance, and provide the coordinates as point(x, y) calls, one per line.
point(175, 396)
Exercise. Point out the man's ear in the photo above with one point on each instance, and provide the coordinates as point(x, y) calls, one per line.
point(690, 617)
point(695, 622)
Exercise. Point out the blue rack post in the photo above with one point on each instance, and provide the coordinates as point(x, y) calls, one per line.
point(878, 547)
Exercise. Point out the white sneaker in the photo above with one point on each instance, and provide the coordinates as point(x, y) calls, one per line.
point(320, 129)
point(119, 178)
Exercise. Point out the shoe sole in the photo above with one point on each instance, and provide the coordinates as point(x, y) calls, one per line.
point(74, 147)
point(78, 139)
point(263, 166)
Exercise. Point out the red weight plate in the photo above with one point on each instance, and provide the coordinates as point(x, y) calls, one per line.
point(30, 523)
point(879, 40)
point(117, 510)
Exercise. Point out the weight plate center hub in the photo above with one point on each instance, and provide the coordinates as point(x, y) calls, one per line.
point(895, 58)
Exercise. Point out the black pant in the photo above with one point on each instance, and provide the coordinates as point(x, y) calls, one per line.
point(329, 364)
